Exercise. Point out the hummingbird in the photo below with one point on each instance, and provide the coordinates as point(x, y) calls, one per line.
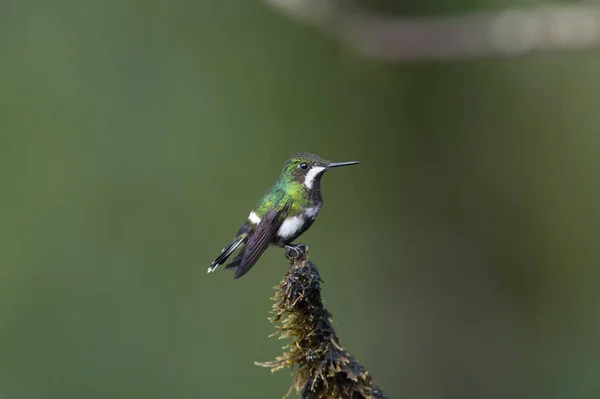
point(286, 211)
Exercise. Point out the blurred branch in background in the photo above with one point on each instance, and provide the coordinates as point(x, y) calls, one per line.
point(325, 369)
point(511, 32)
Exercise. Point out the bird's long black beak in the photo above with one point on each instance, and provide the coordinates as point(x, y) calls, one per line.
point(336, 164)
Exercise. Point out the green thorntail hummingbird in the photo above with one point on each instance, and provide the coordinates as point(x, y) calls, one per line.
point(286, 211)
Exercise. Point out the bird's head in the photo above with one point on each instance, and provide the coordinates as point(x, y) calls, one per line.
point(307, 169)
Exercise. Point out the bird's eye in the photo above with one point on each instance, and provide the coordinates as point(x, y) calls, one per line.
point(303, 166)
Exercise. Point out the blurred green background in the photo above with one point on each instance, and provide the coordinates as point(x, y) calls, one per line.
point(460, 258)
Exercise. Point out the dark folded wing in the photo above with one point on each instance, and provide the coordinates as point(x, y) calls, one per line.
point(259, 241)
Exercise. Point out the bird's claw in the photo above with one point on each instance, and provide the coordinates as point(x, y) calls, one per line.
point(298, 251)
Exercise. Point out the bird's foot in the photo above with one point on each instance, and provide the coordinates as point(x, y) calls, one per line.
point(298, 251)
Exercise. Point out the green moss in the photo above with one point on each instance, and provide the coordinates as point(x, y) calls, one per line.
point(324, 368)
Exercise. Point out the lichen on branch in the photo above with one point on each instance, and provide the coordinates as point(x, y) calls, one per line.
point(324, 368)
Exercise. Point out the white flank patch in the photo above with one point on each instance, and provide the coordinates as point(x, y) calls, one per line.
point(311, 212)
point(290, 226)
point(310, 176)
point(254, 218)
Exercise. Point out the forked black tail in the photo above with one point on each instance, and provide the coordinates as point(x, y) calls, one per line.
point(226, 253)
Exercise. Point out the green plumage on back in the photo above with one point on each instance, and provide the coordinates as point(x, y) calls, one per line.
point(280, 194)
